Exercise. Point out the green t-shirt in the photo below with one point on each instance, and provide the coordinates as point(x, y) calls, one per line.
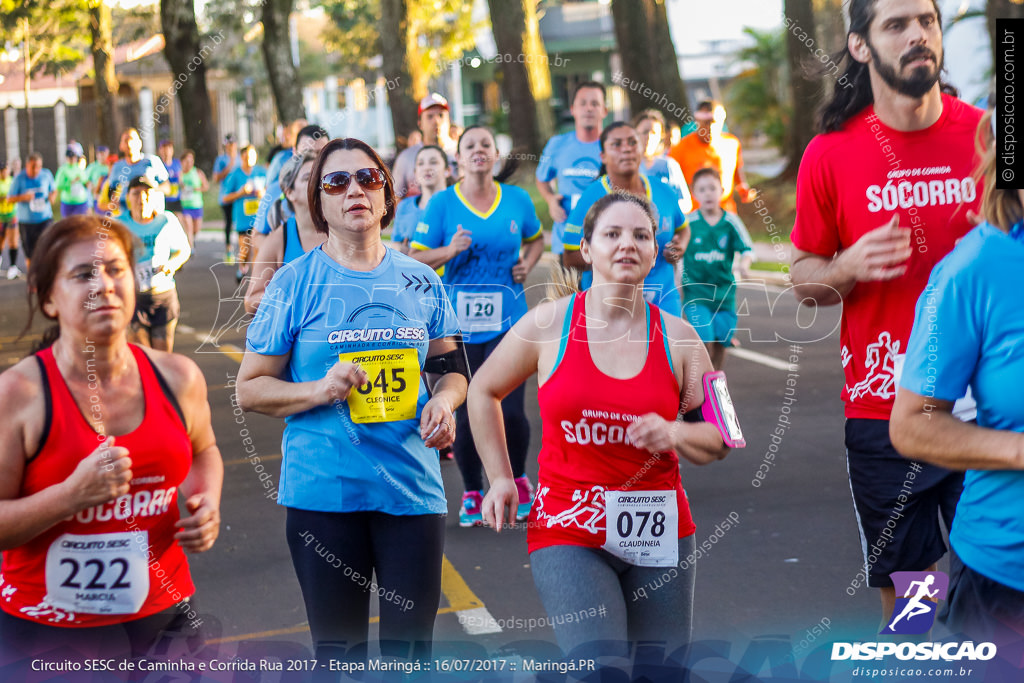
point(191, 190)
point(95, 171)
point(73, 184)
point(707, 263)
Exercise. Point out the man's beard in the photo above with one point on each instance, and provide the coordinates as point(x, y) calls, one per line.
point(920, 80)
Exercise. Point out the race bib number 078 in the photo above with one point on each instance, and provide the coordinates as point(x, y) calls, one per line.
point(642, 527)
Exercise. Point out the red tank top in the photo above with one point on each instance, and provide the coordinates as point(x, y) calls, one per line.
point(113, 562)
point(585, 450)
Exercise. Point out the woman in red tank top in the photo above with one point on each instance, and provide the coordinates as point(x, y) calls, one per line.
point(610, 535)
point(99, 437)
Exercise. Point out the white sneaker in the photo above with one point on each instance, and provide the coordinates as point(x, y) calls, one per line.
point(13, 273)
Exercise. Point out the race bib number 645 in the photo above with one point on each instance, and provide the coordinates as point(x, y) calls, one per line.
point(394, 387)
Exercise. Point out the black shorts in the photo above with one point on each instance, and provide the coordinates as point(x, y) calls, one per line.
point(983, 609)
point(8, 225)
point(156, 311)
point(172, 205)
point(897, 502)
point(30, 233)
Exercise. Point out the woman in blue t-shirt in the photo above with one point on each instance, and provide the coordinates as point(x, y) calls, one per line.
point(485, 238)
point(336, 348)
point(620, 172)
point(968, 332)
point(432, 173)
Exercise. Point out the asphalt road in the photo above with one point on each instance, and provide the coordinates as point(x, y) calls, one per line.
point(780, 575)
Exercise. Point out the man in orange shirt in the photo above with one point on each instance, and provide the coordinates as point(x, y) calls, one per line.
point(710, 146)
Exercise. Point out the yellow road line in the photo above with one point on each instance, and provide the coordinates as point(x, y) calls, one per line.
point(263, 458)
point(290, 631)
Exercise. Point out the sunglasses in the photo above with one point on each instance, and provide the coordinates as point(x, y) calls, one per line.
point(337, 182)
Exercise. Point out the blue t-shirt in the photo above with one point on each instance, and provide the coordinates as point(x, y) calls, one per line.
point(574, 166)
point(479, 281)
point(277, 163)
point(292, 242)
point(174, 180)
point(38, 209)
point(243, 211)
point(161, 239)
point(668, 171)
point(219, 164)
point(660, 284)
point(407, 216)
point(968, 331)
point(122, 173)
point(272, 195)
point(315, 309)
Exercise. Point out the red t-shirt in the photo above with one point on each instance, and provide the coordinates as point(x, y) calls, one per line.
point(585, 450)
point(113, 562)
point(853, 181)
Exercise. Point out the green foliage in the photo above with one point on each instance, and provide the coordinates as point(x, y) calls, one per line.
point(136, 23)
point(758, 99)
point(445, 29)
point(57, 32)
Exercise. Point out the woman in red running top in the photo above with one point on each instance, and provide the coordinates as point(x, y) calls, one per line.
point(98, 438)
point(610, 532)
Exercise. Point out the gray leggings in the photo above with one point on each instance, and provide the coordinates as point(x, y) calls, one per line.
point(633, 603)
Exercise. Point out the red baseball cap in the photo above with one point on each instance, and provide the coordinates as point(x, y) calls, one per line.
point(432, 100)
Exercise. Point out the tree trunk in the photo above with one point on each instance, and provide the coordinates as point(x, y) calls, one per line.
point(27, 65)
point(187, 57)
point(805, 85)
point(106, 85)
point(277, 53)
point(1001, 9)
point(395, 46)
point(649, 58)
point(830, 25)
point(527, 84)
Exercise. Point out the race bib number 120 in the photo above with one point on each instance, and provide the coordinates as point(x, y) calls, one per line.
point(393, 389)
point(642, 527)
point(98, 573)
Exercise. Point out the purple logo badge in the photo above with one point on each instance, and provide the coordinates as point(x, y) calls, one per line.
point(917, 597)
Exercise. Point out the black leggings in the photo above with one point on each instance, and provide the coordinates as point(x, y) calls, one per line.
point(226, 208)
point(336, 554)
point(517, 426)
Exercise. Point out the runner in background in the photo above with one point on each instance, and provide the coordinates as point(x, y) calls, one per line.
point(655, 163)
point(272, 212)
point(97, 172)
point(100, 442)
point(435, 126)
point(485, 237)
point(193, 185)
point(223, 165)
point(882, 195)
point(432, 176)
point(8, 223)
point(172, 201)
point(73, 183)
point(34, 190)
point(710, 145)
point(611, 411)
point(709, 286)
point(242, 189)
point(289, 145)
point(295, 238)
point(570, 161)
point(620, 157)
point(164, 249)
point(132, 165)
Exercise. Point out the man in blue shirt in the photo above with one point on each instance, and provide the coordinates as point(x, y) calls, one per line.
point(223, 165)
point(571, 160)
point(34, 190)
point(132, 165)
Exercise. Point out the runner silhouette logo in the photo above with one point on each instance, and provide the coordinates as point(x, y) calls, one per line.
point(917, 597)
